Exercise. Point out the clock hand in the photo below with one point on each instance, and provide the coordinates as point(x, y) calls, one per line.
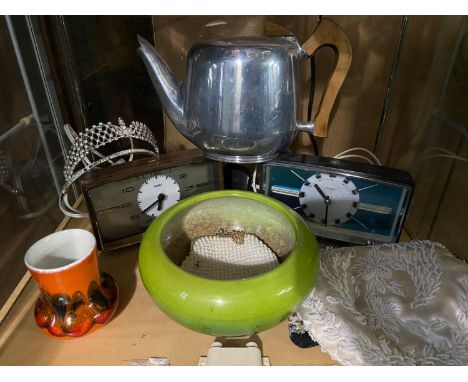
point(326, 199)
point(161, 197)
point(326, 213)
point(322, 194)
point(158, 202)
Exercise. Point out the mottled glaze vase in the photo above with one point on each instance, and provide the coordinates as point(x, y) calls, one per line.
point(76, 298)
point(228, 307)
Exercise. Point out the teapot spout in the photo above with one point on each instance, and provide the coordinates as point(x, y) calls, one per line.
point(169, 90)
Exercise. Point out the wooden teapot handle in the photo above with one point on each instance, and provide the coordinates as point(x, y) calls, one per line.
point(330, 34)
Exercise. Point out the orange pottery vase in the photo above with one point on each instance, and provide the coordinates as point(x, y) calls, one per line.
point(76, 298)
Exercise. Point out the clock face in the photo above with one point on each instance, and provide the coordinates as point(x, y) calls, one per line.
point(157, 194)
point(329, 199)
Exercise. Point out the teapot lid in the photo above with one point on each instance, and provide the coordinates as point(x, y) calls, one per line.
point(288, 42)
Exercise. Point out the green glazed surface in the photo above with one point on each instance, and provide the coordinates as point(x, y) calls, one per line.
point(233, 307)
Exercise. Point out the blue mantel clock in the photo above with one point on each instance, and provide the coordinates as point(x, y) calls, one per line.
point(340, 199)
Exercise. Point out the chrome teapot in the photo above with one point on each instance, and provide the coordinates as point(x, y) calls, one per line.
point(240, 101)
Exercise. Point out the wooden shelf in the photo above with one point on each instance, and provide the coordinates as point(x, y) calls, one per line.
point(138, 330)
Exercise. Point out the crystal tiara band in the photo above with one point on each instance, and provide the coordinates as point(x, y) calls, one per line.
point(88, 143)
point(5, 174)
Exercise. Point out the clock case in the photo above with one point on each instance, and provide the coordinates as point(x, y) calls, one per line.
point(351, 169)
point(116, 173)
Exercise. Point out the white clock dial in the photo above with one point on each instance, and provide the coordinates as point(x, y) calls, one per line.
point(329, 199)
point(157, 194)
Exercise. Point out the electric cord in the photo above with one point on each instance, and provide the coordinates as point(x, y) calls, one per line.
point(356, 156)
point(442, 153)
point(314, 144)
point(374, 160)
point(255, 187)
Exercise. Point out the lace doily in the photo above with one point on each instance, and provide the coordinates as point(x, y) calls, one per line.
point(391, 304)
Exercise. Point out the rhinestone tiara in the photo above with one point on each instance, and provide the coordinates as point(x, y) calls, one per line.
point(86, 145)
point(5, 174)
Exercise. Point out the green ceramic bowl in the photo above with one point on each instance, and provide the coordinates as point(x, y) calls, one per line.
point(233, 307)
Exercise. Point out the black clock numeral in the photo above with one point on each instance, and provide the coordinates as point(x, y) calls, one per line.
point(307, 183)
point(318, 176)
point(332, 176)
point(346, 181)
point(348, 215)
point(337, 221)
point(207, 183)
point(301, 194)
point(355, 204)
point(304, 206)
point(354, 191)
point(116, 207)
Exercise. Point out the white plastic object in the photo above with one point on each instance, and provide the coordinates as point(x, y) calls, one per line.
point(249, 355)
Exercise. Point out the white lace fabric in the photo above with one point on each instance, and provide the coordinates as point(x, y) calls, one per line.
point(390, 304)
